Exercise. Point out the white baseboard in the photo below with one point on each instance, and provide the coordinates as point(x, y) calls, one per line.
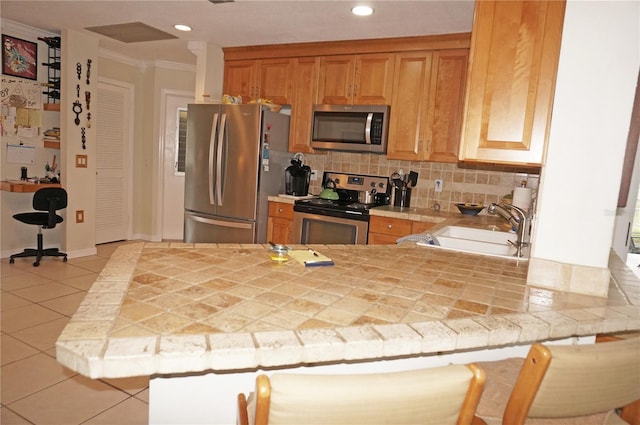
point(82, 252)
point(145, 237)
point(6, 253)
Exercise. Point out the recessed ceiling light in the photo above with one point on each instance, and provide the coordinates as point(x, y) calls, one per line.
point(362, 10)
point(181, 27)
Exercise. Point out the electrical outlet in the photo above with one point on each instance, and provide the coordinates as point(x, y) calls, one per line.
point(314, 175)
point(438, 186)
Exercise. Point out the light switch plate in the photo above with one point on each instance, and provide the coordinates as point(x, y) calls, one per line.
point(81, 161)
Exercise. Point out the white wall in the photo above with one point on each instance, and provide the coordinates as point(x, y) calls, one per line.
point(79, 182)
point(597, 74)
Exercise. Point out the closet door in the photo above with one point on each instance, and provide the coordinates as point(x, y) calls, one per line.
point(113, 176)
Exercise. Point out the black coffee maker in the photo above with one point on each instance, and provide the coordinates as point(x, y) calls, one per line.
point(297, 177)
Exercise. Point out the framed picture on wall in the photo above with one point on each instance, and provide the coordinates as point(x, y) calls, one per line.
point(19, 57)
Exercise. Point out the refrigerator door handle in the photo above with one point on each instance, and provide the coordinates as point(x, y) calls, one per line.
point(222, 223)
point(219, 182)
point(212, 151)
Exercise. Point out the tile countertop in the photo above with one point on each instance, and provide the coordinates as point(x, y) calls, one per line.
point(426, 215)
point(164, 308)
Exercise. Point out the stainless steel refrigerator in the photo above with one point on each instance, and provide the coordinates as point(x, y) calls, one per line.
point(235, 158)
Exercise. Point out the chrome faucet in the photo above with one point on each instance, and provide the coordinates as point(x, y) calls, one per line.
point(519, 221)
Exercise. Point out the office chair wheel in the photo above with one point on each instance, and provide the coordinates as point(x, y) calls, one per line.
point(11, 261)
point(36, 264)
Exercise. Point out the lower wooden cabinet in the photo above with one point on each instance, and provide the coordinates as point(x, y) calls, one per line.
point(386, 230)
point(280, 223)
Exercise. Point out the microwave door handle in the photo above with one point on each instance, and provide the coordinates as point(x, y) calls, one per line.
point(367, 128)
point(212, 151)
point(219, 176)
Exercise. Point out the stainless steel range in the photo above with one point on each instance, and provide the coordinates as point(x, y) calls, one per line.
point(344, 220)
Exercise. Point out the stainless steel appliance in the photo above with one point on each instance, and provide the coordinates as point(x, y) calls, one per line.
point(344, 220)
point(235, 158)
point(359, 128)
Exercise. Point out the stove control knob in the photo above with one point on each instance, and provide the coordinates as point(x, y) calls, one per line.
point(373, 184)
point(336, 180)
point(381, 185)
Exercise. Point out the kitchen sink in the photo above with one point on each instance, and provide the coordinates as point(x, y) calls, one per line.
point(476, 241)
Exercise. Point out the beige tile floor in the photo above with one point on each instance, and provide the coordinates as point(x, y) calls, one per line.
point(36, 304)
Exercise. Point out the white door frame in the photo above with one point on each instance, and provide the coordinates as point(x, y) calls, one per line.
point(130, 88)
point(160, 170)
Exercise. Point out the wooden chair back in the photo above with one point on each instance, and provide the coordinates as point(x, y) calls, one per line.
point(445, 395)
point(558, 381)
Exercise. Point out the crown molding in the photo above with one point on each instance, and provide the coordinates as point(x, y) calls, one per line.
point(118, 57)
point(142, 64)
point(25, 30)
point(176, 66)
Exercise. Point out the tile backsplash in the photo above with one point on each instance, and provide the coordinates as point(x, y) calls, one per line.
point(478, 183)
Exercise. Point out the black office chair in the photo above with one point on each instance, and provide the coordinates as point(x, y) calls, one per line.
point(49, 199)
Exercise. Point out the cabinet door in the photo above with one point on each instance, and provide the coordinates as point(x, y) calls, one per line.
point(240, 79)
point(515, 47)
point(446, 98)
point(279, 230)
point(373, 79)
point(409, 106)
point(336, 79)
point(274, 80)
point(280, 223)
point(305, 92)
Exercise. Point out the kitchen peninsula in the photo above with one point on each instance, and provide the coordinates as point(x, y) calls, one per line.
point(203, 319)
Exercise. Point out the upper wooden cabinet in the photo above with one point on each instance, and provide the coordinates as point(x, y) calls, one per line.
point(356, 79)
point(254, 79)
point(426, 110)
point(239, 79)
point(359, 72)
point(305, 93)
point(515, 47)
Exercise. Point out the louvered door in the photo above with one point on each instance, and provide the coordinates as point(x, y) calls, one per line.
point(112, 179)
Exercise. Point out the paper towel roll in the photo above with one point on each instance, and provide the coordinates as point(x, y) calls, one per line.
point(522, 197)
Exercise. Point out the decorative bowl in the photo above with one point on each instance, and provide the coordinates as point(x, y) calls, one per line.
point(468, 208)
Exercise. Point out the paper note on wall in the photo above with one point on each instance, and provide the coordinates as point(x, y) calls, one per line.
point(21, 154)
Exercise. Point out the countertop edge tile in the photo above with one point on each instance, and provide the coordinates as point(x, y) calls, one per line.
point(362, 342)
point(471, 334)
point(436, 336)
point(321, 345)
point(232, 351)
point(278, 347)
point(531, 328)
point(399, 339)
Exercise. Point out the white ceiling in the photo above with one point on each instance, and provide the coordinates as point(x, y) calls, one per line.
point(242, 23)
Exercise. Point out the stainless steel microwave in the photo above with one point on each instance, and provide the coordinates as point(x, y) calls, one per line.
point(356, 128)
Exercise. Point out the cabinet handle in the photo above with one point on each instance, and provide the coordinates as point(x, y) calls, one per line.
point(355, 90)
point(280, 210)
point(389, 226)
